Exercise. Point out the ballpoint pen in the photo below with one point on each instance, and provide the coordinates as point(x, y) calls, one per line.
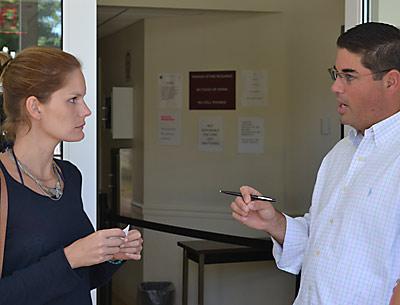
point(253, 197)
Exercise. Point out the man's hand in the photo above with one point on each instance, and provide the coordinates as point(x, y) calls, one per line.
point(260, 215)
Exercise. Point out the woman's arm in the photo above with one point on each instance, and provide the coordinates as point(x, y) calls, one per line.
point(53, 275)
point(50, 277)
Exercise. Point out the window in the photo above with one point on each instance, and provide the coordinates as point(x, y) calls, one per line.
point(25, 23)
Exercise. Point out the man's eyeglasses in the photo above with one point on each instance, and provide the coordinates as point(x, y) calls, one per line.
point(348, 76)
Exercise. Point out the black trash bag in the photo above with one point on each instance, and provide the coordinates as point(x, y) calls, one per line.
point(156, 293)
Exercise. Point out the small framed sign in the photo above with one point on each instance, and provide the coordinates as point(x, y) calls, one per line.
point(212, 90)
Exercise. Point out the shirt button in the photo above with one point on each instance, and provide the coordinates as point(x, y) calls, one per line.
point(331, 220)
point(317, 253)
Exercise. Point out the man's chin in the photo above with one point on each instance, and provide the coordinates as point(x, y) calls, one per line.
point(343, 120)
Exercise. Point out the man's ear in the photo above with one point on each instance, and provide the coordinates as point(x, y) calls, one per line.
point(392, 79)
point(32, 105)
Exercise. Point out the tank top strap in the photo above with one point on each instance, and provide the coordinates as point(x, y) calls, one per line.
point(16, 164)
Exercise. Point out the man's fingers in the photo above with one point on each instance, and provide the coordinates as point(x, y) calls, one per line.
point(249, 190)
point(238, 217)
point(239, 208)
point(259, 205)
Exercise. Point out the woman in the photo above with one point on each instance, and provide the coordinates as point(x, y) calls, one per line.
point(52, 254)
point(4, 57)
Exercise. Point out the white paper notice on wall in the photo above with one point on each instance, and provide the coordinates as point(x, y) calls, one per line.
point(210, 134)
point(169, 128)
point(251, 135)
point(254, 88)
point(170, 90)
point(122, 113)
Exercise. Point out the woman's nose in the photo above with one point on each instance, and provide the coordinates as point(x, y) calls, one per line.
point(85, 110)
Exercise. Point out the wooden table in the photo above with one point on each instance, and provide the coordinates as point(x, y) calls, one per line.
point(205, 252)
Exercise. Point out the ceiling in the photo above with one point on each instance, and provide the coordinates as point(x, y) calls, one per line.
point(113, 19)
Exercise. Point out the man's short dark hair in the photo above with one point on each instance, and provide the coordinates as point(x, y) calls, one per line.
point(377, 43)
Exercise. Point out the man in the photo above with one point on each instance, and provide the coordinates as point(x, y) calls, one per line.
point(395, 300)
point(348, 245)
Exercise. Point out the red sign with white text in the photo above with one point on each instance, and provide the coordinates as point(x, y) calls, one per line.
point(212, 90)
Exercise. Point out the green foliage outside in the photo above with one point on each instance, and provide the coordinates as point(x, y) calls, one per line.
point(49, 23)
point(46, 22)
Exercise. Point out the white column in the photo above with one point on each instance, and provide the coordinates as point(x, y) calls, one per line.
point(353, 13)
point(352, 17)
point(79, 38)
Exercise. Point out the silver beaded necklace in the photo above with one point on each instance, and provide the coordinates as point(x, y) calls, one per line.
point(54, 193)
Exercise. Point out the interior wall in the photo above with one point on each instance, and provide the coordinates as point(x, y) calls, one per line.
point(213, 43)
point(180, 183)
point(79, 39)
point(249, 5)
point(112, 51)
point(386, 11)
point(298, 97)
point(311, 31)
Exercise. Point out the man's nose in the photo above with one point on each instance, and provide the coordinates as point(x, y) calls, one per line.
point(337, 86)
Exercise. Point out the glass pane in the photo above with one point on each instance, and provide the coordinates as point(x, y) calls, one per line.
point(25, 23)
point(30, 23)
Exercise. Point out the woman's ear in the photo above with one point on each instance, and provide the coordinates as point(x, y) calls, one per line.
point(32, 105)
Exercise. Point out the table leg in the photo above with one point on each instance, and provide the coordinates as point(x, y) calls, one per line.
point(200, 292)
point(185, 278)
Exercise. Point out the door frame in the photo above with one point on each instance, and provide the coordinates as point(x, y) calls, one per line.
point(79, 39)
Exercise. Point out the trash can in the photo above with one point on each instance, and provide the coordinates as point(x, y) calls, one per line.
point(156, 293)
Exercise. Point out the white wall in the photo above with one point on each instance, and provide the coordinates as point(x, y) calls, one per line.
point(227, 5)
point(112, 50)
point(353, 12)
point(213, 42)
point(181, 183)
point(311, 31)
point(295, 47)
point(387, 11)
point(79, 38)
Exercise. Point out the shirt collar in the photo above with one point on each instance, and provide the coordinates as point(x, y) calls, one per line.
point(380, 132)
point(355, 137)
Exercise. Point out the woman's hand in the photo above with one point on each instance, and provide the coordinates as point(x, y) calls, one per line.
point(131, 248)
point(95, 248)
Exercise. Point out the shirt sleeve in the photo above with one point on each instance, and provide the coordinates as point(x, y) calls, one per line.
point(48, 278)
point(289, 256)
point(100, 274)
